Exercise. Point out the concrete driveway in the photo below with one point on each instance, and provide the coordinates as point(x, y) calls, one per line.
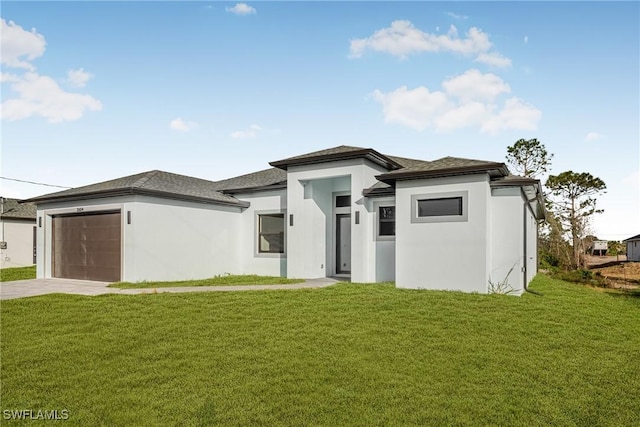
point(34, 287)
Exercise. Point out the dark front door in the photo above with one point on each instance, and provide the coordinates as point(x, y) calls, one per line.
point(343, 243)
point(87, 247)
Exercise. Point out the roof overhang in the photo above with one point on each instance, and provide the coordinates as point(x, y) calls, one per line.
point(493, 169)
point(531, 191)
point(367, 153)
point(134, 191)
point(280, 186)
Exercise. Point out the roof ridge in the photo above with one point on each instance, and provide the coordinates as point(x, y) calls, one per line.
point(145, 178)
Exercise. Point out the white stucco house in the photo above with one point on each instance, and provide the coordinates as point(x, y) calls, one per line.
point(633, 248)
point(17, 233)
point(452, 223)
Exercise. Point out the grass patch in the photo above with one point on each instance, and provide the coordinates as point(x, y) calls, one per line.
point(17, 273)
point(345, 355)
point(228, 280)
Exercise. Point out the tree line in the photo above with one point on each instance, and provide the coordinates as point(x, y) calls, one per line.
point(570, 200)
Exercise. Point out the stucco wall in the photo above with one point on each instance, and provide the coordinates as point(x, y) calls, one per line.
point(250, 262)
point(175, 240)
point(311, 240)
point(532, 246)
point(166, 240)
point(507, 239)
point(443, 255)
point(384, 260)
point(19, 237)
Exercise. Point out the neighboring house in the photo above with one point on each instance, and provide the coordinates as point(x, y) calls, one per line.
point(633, 248)
point(18, 240)
point(452, 223)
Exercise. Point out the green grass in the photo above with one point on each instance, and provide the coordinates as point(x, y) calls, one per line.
point(228, 280)
point(17, 273)
point(345, 355)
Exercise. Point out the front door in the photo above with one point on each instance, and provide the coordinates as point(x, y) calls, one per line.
point(343, 243)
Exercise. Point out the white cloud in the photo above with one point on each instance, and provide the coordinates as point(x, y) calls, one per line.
point(35, 94)
point(182, 125)
point(526, 39)
point(251, 132)
point(79, 77)
point(456, 16)
point(413, 108)
point(6, 77)
point(17, 43)
point(467, 100)
point(241, 9)
point(472, 84)
point(41, 96)
point(593, 136)
point(402, 38)
point(515, 115)
point(494, 59)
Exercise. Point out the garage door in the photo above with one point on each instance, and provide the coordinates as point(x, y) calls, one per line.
point(87, 246)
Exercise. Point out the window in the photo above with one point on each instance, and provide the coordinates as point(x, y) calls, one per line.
point(271, 233)
point(440, 207)
point(343, 201)
point(386, 221)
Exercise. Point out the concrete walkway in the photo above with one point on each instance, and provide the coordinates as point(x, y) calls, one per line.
point(30, 288)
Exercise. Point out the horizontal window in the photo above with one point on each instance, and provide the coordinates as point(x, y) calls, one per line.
point(343, 201)
point(271, 233)
point(440, 207)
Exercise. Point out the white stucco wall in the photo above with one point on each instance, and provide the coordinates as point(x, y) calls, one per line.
point(507, 238)
point(310, 241)
point(18, 234)
point(166, 240)
point(250, 261)
point(384, 259)
point(444, 255)
point(532, 246)
point(176, 240)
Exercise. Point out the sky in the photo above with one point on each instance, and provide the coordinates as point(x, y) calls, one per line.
point(93, 91)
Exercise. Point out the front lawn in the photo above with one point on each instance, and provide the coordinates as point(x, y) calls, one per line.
point(17, 273)
point(227, 280)
point(348, 354)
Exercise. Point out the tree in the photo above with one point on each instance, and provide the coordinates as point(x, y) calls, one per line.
point(529, 157)
point(574, 204)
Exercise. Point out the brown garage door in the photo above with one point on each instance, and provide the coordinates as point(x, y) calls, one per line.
point(87, 246)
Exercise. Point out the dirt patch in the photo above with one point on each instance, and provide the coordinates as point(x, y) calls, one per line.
point(625, 275)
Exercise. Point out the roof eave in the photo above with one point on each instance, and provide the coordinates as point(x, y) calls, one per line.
point(369, 154)
point(259, 188)
point(493, 169)
point(132, 191)
point(379, 192)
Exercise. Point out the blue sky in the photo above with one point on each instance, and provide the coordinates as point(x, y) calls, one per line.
point(94, 91)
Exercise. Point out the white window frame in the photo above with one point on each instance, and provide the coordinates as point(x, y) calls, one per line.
point(415, 198)
point(256, 234)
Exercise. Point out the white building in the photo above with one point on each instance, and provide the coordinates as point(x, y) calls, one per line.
point(18, 233)
point(633, 248)
point(452, 223)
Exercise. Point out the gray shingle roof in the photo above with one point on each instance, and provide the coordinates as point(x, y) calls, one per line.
point(272, 177)
point(14, 210)
point(445, 166)
point(154, 183)
point(632, 238)
point(342, 152)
